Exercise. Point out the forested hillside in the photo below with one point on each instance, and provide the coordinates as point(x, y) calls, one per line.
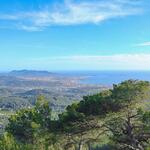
point(114, 119)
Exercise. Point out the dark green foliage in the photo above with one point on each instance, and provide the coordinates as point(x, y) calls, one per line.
point(103, 103)
point(113, 100)
point(26, 122)
point(130, 91)
point(131, 130)
point(122, 96)
point(71, 114)
point(104, 147)
point(8, 142)
point(68, 120)
point(98, 104)
point(84, 122)
point(144, 116)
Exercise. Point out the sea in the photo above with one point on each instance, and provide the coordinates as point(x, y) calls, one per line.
point(107, 77)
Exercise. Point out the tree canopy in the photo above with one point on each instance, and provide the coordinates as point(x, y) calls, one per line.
point(112, 114)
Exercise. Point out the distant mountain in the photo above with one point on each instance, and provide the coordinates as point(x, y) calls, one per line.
point(32, 73)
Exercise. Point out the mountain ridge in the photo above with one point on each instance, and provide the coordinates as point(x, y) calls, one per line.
point(30, 73)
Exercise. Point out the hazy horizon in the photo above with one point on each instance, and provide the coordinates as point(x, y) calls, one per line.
point(73, 71)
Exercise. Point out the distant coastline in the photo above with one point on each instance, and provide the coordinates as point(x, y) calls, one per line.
point(106, 77)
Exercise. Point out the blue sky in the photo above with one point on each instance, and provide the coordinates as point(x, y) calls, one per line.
point(75, 35)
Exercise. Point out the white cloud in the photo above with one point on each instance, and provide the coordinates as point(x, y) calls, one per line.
point(143, 44)
point(113, 62)
point(72, 13)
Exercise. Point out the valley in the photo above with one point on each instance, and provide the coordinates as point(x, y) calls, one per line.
point(19, 89)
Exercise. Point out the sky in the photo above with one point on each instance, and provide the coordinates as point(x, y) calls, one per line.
point(75, 34)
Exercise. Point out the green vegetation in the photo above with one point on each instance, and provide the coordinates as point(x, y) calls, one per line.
point(25, 122)
point(115, 119)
